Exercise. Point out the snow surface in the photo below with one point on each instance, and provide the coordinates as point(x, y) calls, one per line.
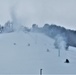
point(26, 53)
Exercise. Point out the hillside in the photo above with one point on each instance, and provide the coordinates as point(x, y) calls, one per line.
point(27, 53)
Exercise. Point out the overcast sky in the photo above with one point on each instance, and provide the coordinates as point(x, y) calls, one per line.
point(61, 12)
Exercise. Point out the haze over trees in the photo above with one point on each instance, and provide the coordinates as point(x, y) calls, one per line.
point(54, 31)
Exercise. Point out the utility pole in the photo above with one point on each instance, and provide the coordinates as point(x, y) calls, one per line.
point(58, 52)
point(40, 71)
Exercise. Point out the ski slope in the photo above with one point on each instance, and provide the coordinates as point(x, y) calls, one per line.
point(27, 53)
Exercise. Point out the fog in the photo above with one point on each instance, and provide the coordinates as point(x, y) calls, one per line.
point(27, 12)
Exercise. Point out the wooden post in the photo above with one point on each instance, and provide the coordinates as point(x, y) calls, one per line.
point(40, 71)
point(58, 52)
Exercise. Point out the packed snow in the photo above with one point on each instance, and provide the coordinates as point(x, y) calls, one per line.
point(27, 53)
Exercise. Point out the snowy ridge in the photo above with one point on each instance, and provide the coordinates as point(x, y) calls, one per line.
point(27, 53)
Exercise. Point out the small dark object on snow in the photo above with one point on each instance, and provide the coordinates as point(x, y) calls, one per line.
point(14, 43)
point(67, 61)
point(48, 50)
point(28, 44)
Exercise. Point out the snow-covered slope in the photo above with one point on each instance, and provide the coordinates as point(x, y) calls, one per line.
point(27, 53)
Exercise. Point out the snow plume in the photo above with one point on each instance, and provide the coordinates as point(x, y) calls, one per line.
point(56, 32)
point(60, 42)
point(15, 20)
